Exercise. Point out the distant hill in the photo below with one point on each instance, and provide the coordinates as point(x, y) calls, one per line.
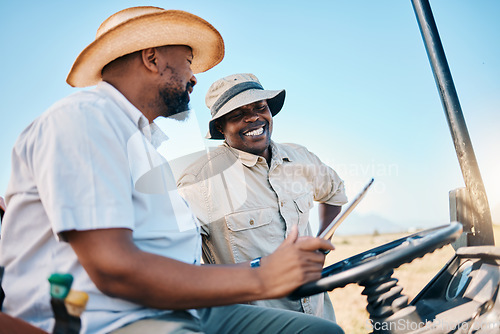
point(369, 224)
point(357, 224)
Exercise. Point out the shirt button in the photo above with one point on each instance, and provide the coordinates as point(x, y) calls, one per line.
point(252, 221)
point(304, 300)
point(282, 203)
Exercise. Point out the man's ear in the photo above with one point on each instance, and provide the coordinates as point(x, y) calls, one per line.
point(150, 59)
point(218, 126)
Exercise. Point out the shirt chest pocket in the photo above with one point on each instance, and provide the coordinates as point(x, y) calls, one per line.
point(303, 203)
point(253, 233)
point(246, 220)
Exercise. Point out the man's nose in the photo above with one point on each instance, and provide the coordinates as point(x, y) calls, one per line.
point(193, 80)
point(251, 116)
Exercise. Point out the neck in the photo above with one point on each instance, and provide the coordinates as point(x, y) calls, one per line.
point(267, 154)
point(130, 78)
point(136, 97)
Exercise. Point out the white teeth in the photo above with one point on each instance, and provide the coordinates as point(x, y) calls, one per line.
point(255, 132)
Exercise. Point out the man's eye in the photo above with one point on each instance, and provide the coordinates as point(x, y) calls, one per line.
point(234, 117)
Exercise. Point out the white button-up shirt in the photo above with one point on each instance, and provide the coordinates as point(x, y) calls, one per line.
point(88, 163)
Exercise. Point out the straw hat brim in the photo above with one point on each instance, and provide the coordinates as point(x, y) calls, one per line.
point(275, 100)
point(169, 27)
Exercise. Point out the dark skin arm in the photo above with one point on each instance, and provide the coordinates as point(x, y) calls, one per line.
point(327, 213)
point(119, 269)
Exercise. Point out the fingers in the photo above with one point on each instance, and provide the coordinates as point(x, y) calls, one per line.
point(296, 261)
point(307, 243)
point(292, 236)
point(310, 276)
point(312, 244)
point(313, 257)
point(307, 271)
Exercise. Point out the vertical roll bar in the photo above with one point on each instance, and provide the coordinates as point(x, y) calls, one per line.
point(483, 228)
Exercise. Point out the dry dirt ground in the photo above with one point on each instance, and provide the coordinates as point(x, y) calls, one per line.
point(348, 302)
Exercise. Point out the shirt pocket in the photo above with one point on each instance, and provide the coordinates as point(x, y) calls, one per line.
point(303, 203)
point(245, 220)
point(253, 233)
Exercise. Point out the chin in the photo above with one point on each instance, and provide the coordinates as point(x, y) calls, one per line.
point(258, 149)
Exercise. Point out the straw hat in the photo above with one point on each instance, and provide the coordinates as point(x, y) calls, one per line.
point(139, 28)
point(235, 91)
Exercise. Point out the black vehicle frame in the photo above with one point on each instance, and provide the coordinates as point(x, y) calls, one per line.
point(463, 297)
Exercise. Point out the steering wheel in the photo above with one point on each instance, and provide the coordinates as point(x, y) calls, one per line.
point(380, 259)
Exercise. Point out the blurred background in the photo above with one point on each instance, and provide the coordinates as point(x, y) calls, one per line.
point(360, 90)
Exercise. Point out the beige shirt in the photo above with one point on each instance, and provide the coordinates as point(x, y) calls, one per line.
point(246, 208)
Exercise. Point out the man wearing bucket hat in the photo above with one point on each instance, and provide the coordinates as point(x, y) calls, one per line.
point(251, 191)
point(90, 196)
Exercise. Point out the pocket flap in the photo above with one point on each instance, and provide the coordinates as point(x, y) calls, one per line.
point(240, 221)
point(304, 202)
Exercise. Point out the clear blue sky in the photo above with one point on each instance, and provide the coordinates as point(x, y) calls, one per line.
point(360, 91)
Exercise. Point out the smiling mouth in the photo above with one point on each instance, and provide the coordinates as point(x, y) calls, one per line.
point(256, 132)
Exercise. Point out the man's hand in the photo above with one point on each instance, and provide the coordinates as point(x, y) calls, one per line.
point(295, 262)
point(120, 269)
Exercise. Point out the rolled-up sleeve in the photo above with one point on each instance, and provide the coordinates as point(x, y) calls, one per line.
point(328, 187)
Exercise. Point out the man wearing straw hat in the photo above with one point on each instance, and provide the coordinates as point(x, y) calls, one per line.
point(251, 191)
point(89, 195)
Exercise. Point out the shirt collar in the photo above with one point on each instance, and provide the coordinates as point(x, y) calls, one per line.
point(247, 159)
point(128, 108)
point(250, 160)
point(157, 135)
point(278, 155)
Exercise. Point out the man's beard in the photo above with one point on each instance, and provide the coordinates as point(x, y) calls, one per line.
point(176, 102)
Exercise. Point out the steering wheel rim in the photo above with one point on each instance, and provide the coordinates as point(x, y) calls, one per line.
point(365, 265)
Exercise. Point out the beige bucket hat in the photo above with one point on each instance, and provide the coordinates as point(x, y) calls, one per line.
point(139, 28)
point(235, 91)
